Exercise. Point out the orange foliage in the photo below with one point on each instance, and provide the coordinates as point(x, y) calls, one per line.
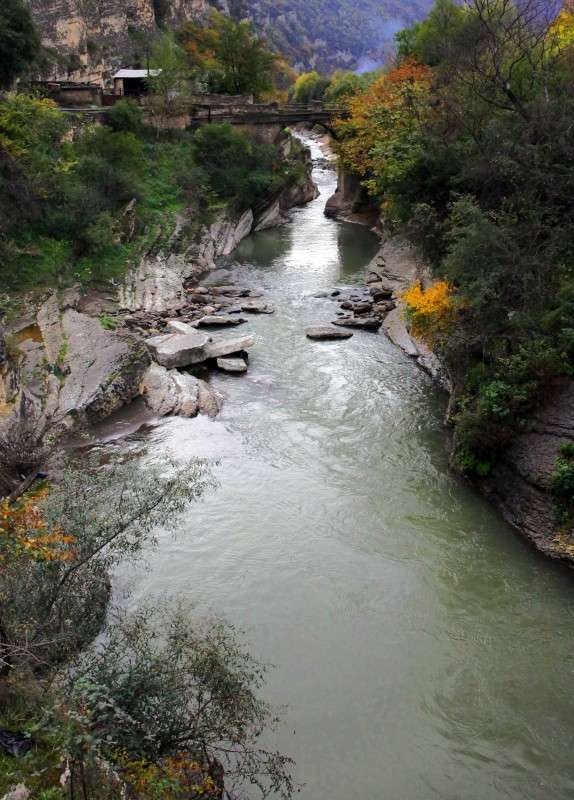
point(24, 532)
point(177, 776)
point(430, 311)
point(392, 103)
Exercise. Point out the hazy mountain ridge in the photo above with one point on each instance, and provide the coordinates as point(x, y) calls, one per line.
point(328, 34)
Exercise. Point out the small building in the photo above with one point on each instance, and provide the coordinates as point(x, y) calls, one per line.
point(133, 82)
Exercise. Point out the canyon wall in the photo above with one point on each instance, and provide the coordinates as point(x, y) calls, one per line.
point(92, 38)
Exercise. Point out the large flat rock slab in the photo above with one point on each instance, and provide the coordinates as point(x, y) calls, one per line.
point(228, 345)
point(327, 333)
point(98, 370)
point(174, 350)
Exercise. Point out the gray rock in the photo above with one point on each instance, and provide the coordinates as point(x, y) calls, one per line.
point(218, 347)
point(97, 370)
point(19, 792)
point(362, 307)
point(175, 350)
point(326, 332)
point(210, 401)
point(257, 307)
point(364, 323)
point(170, 392)
point(219, 320)
point(177, 326)
point(235, 365)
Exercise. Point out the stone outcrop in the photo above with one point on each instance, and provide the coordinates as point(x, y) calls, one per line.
point(72, 368)
point(95, 36)
point(157, 284)
point(350, 202)
point(520, 484)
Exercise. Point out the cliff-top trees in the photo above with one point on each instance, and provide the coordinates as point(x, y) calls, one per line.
point(229, 57)
point(19, 41)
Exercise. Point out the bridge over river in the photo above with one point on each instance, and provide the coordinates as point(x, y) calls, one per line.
point(243, 114)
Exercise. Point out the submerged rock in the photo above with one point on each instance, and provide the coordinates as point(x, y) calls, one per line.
point(257, 307)
point(326, 332)
point(218, 319)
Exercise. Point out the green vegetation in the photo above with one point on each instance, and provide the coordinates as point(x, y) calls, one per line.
point(163, 705)
point(228, 57)
point(19, 41)
point(563, 481)
point(329, 34)
point(64, 201)
point(466, 146)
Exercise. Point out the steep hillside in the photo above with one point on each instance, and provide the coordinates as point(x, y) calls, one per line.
point(93, 37)
point(327, 34)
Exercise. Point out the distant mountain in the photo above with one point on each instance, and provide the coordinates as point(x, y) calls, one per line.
point(330, 34)
point(94, 37)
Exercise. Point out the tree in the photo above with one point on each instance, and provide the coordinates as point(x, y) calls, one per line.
point(169, 80)
point(52, 607)
point(309, 86)
point(229, 57)
point(19, 41)
point(162, 686)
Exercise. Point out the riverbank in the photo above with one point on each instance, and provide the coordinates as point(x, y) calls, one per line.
point(82, 355)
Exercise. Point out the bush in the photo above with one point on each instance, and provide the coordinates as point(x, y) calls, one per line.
point(126, 116)
point(163, 685)
point(239, 170)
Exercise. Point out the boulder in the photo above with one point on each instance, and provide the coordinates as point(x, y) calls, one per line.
point(218, 319)
point(173, 350)
point(362, 307)
point(234, 365)
point(218, 347)
point(379, 293)
point(168, 392)
point(326, 332)
point(364, 323)
point(177, 326)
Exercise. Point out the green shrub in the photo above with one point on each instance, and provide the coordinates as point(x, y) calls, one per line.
point(563, 477)
point(126, 116)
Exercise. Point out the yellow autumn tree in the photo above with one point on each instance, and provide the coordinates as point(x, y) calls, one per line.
point(430, 311)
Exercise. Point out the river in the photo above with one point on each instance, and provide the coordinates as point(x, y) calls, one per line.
point(422, 649)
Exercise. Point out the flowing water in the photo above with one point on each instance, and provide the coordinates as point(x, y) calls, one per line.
point(422, 648)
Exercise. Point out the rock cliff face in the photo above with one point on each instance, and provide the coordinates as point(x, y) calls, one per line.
point(520, 484)
point(95, 37)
